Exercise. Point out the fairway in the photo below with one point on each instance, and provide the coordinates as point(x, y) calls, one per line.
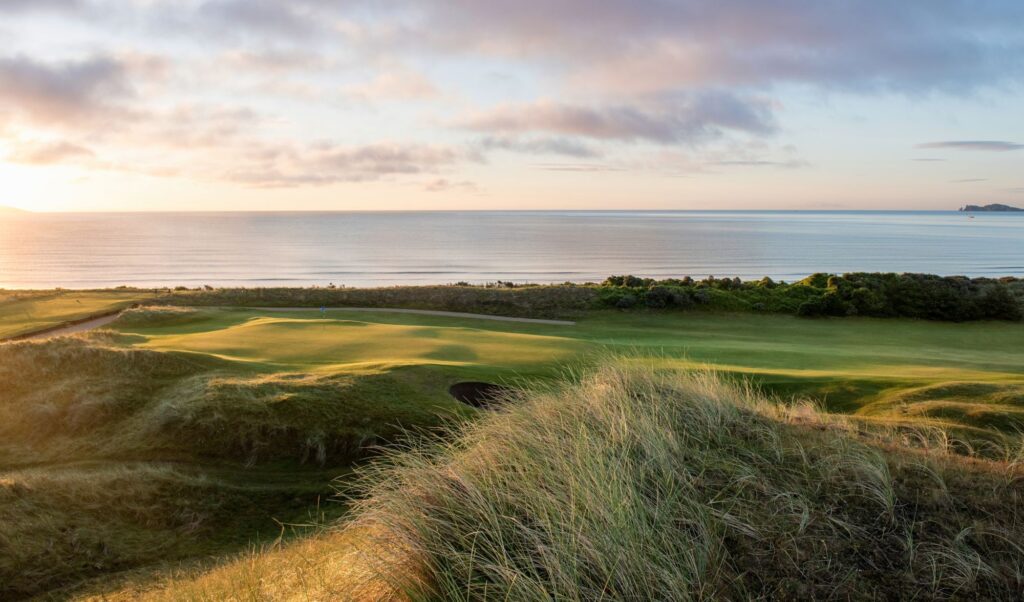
point(968, 373)
point(26, 312)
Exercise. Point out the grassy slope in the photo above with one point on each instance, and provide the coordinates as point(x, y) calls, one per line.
point(113, 457)
point(228, 395)
point(25, 312)
point(633, 483)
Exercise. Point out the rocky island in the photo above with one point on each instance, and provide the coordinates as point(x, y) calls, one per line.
point(992, 207)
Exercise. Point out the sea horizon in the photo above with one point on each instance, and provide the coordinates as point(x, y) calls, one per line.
point(18, 211)
point(386, 248)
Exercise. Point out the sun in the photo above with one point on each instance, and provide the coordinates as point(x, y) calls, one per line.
point(31, 187)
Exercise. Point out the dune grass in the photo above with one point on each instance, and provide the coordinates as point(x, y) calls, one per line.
point(24, 312)
point(63, 524)
point(632, 483)
point(112, 458)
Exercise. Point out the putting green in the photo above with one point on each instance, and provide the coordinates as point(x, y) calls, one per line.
point(303, 342)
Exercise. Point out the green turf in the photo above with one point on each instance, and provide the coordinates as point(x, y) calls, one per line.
point(852, 364)
point(25, 312)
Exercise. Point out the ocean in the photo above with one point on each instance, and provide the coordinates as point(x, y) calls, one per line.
point(90, 250)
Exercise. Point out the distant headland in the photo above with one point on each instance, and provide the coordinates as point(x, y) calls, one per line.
point(992, 207)
point(4, 209)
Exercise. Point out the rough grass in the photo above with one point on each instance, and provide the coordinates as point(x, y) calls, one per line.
point(63, 524)
point(72, 398)
point(634, 484)
point(30, 311)
point(113, 457)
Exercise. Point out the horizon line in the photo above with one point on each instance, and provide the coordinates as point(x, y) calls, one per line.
point(18, 210)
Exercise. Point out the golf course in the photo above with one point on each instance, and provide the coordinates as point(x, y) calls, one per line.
point(966, 374)
point(178, 443)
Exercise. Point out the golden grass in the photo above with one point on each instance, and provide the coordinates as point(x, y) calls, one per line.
point(629, 483)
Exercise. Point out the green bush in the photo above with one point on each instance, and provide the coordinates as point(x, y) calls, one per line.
point(921, 296)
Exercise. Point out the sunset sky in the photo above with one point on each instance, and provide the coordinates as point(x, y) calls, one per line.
point(535, 104)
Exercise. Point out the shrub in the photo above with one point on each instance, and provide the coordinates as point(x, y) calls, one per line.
point(626, 301)
point(658, 297)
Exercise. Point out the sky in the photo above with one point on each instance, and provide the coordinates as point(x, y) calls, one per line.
point(160, 105)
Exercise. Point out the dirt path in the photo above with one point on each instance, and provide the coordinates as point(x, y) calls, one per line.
point(60, 331)
point(424, 312)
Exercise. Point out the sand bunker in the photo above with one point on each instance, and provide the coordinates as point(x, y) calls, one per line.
point(479, 394)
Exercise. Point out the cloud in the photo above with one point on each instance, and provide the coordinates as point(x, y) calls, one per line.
point(61, 91)
point(689, 119)
point(976, 145)
point(790, 164)
point(968, 180)
point(401, 84)
point(444, 185)
point(577, 167)
point(46, 153)
point(326, 163)
point(653, 45)
point(291, 19)
point(538, 146)
point(17, 6)
point(274, 60)
point(614, 81)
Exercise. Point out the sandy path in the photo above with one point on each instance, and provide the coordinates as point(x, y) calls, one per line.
point(423, 312)
point(70, 329)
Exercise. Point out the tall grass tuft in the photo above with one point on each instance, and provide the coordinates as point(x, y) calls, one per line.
point(634, 484)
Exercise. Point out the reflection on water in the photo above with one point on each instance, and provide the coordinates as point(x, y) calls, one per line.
point(364, 249)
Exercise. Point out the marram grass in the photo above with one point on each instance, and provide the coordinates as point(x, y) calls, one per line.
point(633, 484)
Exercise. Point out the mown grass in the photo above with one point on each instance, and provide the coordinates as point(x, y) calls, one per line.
point(633, 483)
point(31, 311)
point(851, 365)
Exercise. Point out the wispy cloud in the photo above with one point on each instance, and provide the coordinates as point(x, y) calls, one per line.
point(691, 119)
point(49, 152)
point(403, 84)
point(326, 163)
point(445, 185)
point(545, 145)
point(976, 145)
point(788, 164)
point(577, 167)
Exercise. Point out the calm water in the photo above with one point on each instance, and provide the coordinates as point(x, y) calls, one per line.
point(363, 249)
